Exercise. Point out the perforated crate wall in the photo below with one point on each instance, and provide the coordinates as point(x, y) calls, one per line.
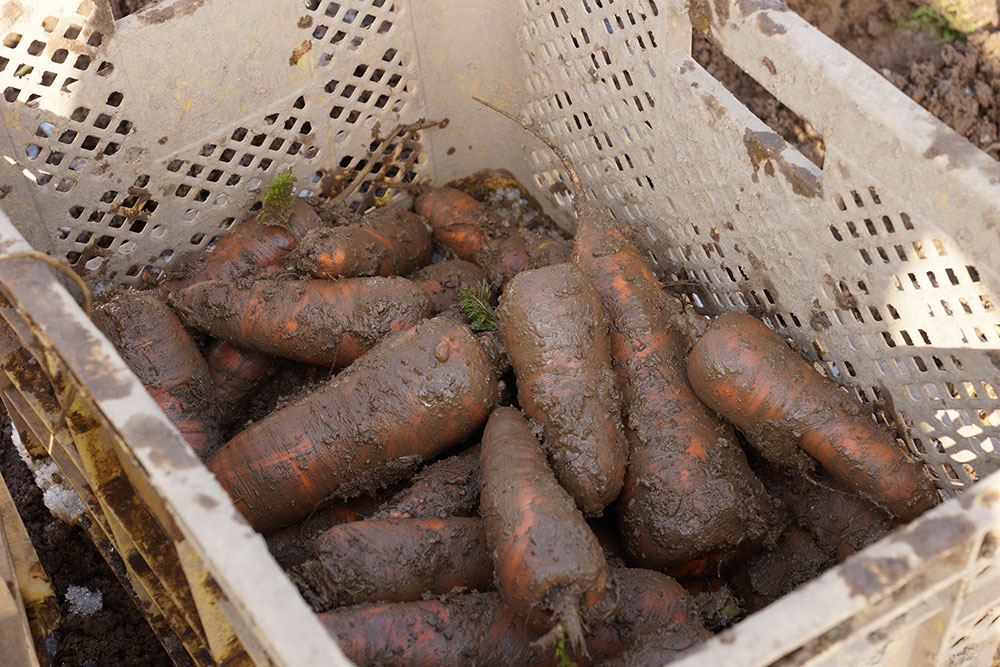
point(128, 145)
point(123, 157)
point(126, 152)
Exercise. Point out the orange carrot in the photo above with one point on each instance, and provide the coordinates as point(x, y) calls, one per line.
point(747, 374)
point(160, 352)
point(449, 487)
point(649, 604)
point(556, 333)
point(388, 242)
point(549, 565)
point(481, 629)
point(465, 226)
point(412, 397)
point(248, 247)
point(394, 561)
point(328, 323)
point(290, 545)
point(773, 573)
point(442, 281)
point(688, 487)
point(236, 374)
point(472, 629)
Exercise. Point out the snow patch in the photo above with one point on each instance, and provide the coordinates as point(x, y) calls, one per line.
point(58, 496)
point(84, 601)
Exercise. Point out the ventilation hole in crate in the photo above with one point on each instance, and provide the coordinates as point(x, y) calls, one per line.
point(115, 99)
point(73, 257)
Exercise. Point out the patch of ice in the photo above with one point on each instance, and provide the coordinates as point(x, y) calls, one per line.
point(58, 496)
point(84, 601)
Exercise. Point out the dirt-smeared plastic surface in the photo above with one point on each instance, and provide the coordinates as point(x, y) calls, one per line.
point(328, 323)
point(556, 333)
point(549, 565)
point(389, 241)
point(409, 399)
point(689, 490)
point(449, 487)
point(747, 374)
point(394, 561)
point(154, 345)
point(442, 281)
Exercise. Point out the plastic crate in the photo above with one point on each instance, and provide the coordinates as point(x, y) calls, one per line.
point(129, 145)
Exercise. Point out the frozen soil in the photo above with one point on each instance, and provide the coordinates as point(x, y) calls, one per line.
point(957, 82)
point(100, 623)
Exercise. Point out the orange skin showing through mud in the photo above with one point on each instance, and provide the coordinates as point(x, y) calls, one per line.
point(390, 242)
point(688, 489)
point(747, 374)
point(409, 399)
point(483, 630)
point(549, 565)
point(247, 248)
point(457, 221)
point(151, 340)
point(322, 322)
point(236, 372)
point(395, 561)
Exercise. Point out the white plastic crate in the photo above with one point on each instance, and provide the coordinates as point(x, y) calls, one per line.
point(130, 145)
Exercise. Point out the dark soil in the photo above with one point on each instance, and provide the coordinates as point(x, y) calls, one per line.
point(115, 635)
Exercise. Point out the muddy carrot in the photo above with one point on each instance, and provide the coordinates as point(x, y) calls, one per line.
point(466, 227)
point(290, 545)
point(747, 374)
point(481, 629)
point(394, 561)
point(688, 488)
point(472, 629)
point(248, 247)
point(650, 604)
point(323, 322)
point(409, 399)
point(442, 281)
point(449, 487)
point(556, 333)
point(549, 565)
point(388, 242)
point(166, 360)
point(236, 374)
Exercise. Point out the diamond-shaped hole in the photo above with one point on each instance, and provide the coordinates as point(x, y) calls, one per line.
point(35, 48)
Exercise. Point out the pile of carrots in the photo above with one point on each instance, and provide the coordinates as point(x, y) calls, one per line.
point(518, 449)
